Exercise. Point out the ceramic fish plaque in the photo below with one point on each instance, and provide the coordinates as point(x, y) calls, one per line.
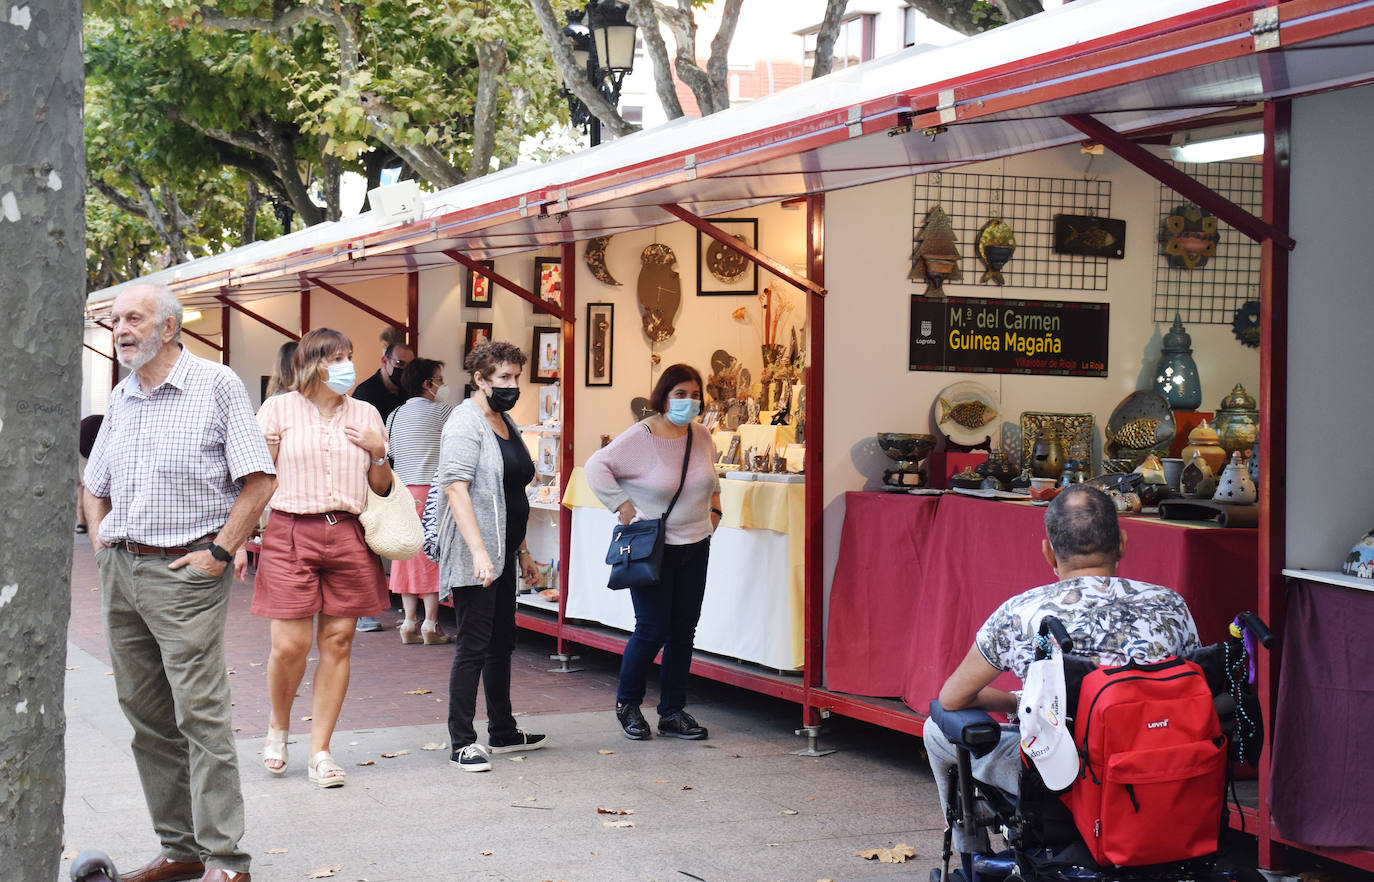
point(1089, 236)
point(996, 245)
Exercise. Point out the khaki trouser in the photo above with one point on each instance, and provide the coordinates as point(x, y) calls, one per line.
point(165, 630)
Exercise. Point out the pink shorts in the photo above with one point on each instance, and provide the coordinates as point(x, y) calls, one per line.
point(310, 565)
point(419, 575)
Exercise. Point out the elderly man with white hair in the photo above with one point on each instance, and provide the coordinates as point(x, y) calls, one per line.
point(178, 476)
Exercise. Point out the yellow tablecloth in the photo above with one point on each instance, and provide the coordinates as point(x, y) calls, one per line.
point(748, 505)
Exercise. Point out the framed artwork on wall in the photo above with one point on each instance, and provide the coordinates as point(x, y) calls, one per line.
point(600, 343)
point(548, 279)
point(477, 334)
point(544, 355)
point(548, 403)
point(722, 269)
point(547, 461)
point(479, 287)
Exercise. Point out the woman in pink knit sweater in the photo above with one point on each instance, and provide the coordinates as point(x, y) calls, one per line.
point(636, 475)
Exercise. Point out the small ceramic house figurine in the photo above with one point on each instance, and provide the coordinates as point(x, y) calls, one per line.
point(1360, 561)
point(1198, 480)
point(1235, 486)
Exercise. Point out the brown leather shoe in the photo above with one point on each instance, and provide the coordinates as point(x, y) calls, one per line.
point(159, 869)
point(215, 874)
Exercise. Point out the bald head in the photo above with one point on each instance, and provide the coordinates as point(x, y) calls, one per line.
point(1082, 528)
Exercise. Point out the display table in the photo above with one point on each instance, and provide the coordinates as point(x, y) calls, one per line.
point(1322, 790)
point(917, 575)
point(754, 582)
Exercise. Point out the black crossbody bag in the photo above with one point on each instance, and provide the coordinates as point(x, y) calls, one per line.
point(636, 552)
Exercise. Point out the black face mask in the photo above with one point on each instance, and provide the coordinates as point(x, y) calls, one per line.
point(503, 398)
point(396, 374)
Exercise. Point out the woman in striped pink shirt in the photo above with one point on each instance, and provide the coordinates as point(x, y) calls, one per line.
point(317, 575)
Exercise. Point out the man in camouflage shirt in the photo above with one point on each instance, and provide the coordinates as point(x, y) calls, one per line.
point(1111, 620)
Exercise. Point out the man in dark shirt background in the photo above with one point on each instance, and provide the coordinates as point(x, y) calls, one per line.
point(383, 391)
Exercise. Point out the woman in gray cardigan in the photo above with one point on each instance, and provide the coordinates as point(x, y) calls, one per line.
point(484, 468)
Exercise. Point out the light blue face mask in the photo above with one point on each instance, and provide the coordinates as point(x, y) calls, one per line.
point(682, 411)
point(341, 377)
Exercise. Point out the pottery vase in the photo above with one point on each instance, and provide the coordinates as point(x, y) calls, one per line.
point(1176, 375)
point(1198, 481)
point(1237, 421)
point(1235, 486)
point(1047, 456)
point(1203, 440)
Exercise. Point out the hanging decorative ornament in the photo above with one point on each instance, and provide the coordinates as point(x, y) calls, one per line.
point(595, 258)
point(935, 259)
point(660, 291)
point(1189, 236)
point(1246, 324)
point(996, 245)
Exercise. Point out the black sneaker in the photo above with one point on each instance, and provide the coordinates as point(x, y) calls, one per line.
point(681, 725)
point(472, 758)
point(632, 722)
point(518, 741)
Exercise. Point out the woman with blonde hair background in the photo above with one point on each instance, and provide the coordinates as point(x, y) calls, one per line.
point(317, 575)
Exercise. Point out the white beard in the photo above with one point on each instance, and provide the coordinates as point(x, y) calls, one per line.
point(148, 349)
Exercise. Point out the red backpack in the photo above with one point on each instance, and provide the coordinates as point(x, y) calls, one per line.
point(1152, 778)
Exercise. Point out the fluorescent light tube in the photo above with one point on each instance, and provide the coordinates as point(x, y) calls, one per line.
point(1220, 149)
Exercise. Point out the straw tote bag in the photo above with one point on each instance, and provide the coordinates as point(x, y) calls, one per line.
point(391, 525)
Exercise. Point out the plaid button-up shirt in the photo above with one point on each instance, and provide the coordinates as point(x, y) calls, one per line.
point(172, 461)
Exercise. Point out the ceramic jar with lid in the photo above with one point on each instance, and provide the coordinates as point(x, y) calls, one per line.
point(1176, 373)
point(1237, 421)
point(1203, 440)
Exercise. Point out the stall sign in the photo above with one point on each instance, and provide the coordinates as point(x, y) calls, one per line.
point(1008, 336)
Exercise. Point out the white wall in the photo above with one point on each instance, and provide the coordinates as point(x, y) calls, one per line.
point(1331, 311)
point(868, 386)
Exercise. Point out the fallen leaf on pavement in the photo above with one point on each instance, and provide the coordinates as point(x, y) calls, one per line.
point(69, 855)
point(324, 871)
point(517, 759)
point(617, 823)
point(367, 763)
point(686, 786)
point(789, 812)
point(897, 854)
point(306, 719)
point(73, 667)
point(605, 752)
point(396, 754)
point(661, 781)
point(485, 852)
point(109, 673)
point(230, 671)
point(433, 745)
point(602, 811)
point(276, 851)
point(419, 691)
point(255, 664)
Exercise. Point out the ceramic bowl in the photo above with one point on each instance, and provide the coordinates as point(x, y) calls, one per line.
point(905, 446)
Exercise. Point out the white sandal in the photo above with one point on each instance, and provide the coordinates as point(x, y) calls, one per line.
point(324, 772)
point(275, 750)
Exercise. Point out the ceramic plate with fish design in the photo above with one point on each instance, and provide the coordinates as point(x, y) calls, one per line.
point(967, 412)
point(1142, 424)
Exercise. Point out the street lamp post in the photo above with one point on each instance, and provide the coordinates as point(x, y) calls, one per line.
point(603, 46)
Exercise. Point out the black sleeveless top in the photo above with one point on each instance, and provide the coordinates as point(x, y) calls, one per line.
point(518, 472)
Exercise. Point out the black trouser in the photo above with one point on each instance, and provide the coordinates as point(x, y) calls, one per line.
point(483, 649)
point(666, 618)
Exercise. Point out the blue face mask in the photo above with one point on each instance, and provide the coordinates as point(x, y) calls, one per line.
point(341, 377)
point(682, 411)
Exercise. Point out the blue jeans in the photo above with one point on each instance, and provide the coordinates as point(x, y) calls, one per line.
point(666, 617)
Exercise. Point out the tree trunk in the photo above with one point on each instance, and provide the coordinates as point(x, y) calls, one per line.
point(251, 202)
point(576, 79)
point(332, 170)
point(42, 291)
point(642, 16)
point(825, 39)
point(491, 64)
point(718, 65)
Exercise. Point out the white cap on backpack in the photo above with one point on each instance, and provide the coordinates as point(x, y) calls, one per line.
point(1045, 737)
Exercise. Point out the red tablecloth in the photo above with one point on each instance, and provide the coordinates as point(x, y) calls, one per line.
point(916, 576)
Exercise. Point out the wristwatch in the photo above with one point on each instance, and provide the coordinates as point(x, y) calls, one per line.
point(717, 512)
point(220, 553)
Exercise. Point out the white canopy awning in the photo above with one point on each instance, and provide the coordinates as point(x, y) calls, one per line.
point(1132, 65)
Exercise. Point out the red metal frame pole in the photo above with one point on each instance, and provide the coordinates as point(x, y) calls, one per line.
point(1273, 444)
point(98, 352)
point(114, 357)
point(813, 597)
point(413, 310)
point(566, 425)
point(539, 304)
point(305, 305)
point(1259, 229)
point(353, 301)
point(224, 337)
point(206, 340)
point(756, 256)
point(223, 297)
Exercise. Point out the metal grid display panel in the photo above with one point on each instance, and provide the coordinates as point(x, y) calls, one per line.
point(1211, 294)
point(1029, 205)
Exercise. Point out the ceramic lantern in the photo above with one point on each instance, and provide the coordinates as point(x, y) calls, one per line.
point(1237, 421)
point(1198, 480)
point(1235, 486)
point(1176, 373)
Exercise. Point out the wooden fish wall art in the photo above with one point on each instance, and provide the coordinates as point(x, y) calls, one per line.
point(1188, 236)
point(1089, 236)
point(996, 245)
point(595, 258)
point(935, 259)
point(660, 291)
